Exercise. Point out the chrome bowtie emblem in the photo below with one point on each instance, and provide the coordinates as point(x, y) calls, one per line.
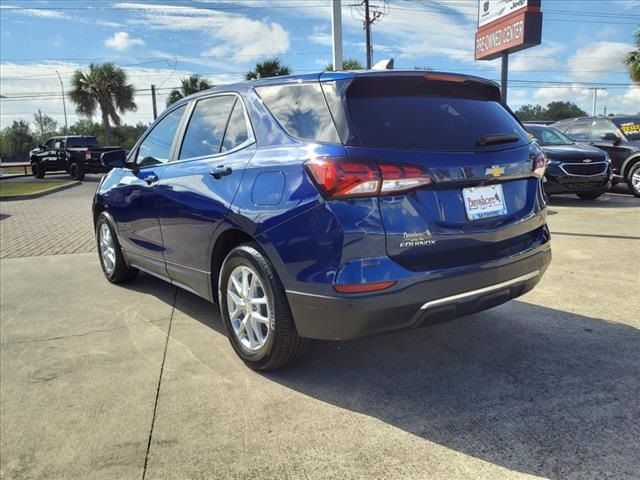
point(494, 171)
point(587, 160)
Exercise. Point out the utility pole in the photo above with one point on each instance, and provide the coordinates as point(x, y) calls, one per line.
point(153, 101)
point(595, 98)
point(64, 104)
point(370, 15)
point(367, 30)
point(41, 126)
point(504, 76)
point(336, 31)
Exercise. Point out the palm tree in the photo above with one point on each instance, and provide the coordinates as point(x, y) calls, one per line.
point(633, 60)
point(347, 64)
point(103, 86)
point(268, 68)
point(195, 83)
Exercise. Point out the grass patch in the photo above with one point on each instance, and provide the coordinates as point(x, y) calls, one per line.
point(9, 188)
point(17, 170)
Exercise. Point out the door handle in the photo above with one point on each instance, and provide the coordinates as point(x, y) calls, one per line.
point(152, 178)
point(220, 171)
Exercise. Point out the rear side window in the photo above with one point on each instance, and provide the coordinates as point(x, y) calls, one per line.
point(156, 147)
point(206, 128)
point(413, 113)
point(237, 132)
point(301, 110)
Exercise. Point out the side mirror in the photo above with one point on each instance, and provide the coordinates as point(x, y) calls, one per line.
point(41, 147)
point(612, 137)
point(114, 159)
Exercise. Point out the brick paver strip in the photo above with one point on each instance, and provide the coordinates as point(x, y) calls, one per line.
point(58, 223)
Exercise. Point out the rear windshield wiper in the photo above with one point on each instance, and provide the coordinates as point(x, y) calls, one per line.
point(497, 138)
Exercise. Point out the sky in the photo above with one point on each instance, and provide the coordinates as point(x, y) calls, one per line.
point(160, 42)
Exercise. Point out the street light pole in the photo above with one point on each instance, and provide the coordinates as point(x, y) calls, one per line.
point(64, 104)
point(336, 27)
point(595, 98)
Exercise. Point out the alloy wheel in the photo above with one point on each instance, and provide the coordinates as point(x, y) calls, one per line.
point(107, 249)
point(248, 307)
point(635, 180)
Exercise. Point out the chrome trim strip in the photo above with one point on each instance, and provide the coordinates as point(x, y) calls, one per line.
point(490, 288)
point(578, 163)
point(313, 295)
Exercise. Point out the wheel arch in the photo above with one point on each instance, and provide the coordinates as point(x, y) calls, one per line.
point(628, 163)
point(226, 241)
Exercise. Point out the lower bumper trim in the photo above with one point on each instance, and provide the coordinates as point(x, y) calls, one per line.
point(480, 291)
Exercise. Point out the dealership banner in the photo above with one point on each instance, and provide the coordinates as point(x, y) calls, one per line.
point(507, 26)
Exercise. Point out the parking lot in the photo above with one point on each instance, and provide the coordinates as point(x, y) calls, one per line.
point(139, 381)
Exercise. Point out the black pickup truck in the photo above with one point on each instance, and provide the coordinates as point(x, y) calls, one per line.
point(76, 155)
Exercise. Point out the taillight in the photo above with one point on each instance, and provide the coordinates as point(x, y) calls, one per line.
point(344, 177)
point(539, 160)
point(87, 155)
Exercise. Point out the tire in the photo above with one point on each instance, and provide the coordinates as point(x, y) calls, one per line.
point(276, 343)
point(589, 195)
point(76, 171)
point(633, 179)
point(37, 170)
point(120, 272)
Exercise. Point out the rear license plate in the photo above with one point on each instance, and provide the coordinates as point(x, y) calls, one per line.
point(484, 202)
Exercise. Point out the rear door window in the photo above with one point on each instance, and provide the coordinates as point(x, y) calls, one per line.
point(413, 113)
point(207, 127)
point(301, 110)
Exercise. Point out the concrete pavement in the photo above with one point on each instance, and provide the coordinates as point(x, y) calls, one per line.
point(91, 386)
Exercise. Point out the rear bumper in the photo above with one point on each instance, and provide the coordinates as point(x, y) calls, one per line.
point(431, 298)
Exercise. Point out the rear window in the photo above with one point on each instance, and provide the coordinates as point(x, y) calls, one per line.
point(414, 113)
point(301, 110)
point(82, 142)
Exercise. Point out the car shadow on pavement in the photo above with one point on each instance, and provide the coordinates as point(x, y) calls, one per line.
point(533, 389)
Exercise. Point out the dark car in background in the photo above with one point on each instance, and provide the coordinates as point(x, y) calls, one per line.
point(74, 154)
point(572, 167)
point(330, 206)
point(619, 136)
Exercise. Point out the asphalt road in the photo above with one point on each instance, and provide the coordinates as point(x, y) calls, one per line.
point(138, 381)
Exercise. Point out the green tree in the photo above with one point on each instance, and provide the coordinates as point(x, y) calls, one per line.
point(269, 68)
point(17, 140)
point(45, 126)
point(105, 87)
point(561, 110)
point(554, 111)
point(531, 112)
point(195, 83)
point(633, 60)
point(347, 64)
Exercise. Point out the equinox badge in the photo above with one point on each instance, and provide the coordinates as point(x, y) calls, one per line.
point(494, 171)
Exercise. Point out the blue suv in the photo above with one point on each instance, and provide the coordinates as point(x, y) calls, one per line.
point(330, 206)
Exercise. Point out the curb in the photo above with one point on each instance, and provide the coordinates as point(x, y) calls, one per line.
point(41, 193)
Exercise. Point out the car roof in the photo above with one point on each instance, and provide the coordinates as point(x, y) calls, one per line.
point(241, 87)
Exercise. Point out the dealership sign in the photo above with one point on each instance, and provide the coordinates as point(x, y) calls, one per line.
point(507, 26)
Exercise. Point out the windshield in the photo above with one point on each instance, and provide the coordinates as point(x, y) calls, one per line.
point(81, 142)
point(629, 126)
point(547, 136)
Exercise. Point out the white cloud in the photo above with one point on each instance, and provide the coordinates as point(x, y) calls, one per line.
point(237, 36)
point(34, 12)
point(598, 59)
point(122, 41)
point(542, 58)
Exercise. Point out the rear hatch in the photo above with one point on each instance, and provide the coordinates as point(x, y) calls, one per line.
point(483, 201)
